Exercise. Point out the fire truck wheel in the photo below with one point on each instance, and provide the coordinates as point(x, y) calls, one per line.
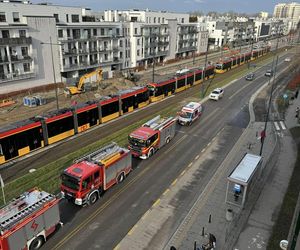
point(93, 198)
point(36, 243)
point(121, 177)
point(151, 152)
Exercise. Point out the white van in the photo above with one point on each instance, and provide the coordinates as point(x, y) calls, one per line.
point(189, 113)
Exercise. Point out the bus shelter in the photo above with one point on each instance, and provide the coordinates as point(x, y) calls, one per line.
point(242, 179)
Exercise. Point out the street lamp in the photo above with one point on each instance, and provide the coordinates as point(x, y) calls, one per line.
point(53, 69)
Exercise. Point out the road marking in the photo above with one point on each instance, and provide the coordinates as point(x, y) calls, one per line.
point(132, 229)
point(276, 126)
point(155, 203)
point(210, 115)
point(145, 215)
point(174, 182)
point(190, 164)
point(282, 125)
point(117, 247)
point(196, 158)
point(202, 150)
point(245, 86)
point(182, 173)
point(208, 144)
point(166, 191)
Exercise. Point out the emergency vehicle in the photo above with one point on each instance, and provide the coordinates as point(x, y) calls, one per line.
point(85, 180)
point(189, 113)
point(151, 136)
point(27, 221)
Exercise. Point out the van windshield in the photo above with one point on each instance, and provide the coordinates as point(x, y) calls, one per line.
point(184, 114)
point(70, 182)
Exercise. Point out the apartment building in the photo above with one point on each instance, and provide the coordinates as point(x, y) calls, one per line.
point(290, 11)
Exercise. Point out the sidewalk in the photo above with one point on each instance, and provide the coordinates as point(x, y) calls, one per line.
point(154, 232)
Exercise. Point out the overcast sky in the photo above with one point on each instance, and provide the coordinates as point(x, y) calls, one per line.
point(241, 6)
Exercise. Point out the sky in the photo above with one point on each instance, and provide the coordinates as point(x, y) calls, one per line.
point(240, 6)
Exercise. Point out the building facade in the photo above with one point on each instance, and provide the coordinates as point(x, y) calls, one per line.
point(289, 11)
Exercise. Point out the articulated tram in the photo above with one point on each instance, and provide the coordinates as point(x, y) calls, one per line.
point(20, 138)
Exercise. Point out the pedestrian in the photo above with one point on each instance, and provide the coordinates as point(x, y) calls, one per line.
point(212, 240)
point(297, 112)
point(296, 94)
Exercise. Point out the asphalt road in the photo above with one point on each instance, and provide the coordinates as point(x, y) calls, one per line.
point(103, 225)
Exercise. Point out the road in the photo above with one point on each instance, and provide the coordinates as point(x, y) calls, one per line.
point(106, 223)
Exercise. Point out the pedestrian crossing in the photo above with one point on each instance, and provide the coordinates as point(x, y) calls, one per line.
point(279, 125)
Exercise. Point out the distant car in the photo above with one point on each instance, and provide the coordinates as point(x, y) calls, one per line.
point(216, 94)
point(250, 76)
point(269, 72)
point(288, 59)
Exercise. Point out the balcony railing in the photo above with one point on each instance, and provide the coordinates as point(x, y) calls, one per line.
point(20, 58)
point(15, 41)
point(14, 76)
point(184, 49)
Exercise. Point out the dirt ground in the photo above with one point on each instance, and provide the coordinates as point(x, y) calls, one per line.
point(18, 111)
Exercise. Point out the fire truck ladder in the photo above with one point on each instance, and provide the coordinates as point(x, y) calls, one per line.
point(157, 122)
point(101, 154)
point(21, 207)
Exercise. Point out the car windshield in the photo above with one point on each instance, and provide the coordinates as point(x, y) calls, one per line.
point(185, 114)
point(216, 92)
point(70, 182)
point(136, 142)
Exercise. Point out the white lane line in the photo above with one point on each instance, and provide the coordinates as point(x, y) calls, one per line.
point(276, 126)
point(282, 125)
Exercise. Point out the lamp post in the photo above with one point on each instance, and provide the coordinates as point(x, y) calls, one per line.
point(53, 69)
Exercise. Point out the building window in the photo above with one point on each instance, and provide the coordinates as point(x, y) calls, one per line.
point(105, 57)
point(67, 17)
point(135, 31)
point(118, 31)
point(56, 17)
point(159, 20)
point(26, 67)
point(121, 43)
point(102, 31)
point(22, 33)
point(5, 33)
point(24, 51)
point(60, 33)
point(75, 18)
point(154, 20)
point(138, 52)
point(163, 20)
point(68, 33)
point(94, 32)
point(2, 17)
point(121, 55)
point(138, 41)
point(182, 20)
point(16, 17)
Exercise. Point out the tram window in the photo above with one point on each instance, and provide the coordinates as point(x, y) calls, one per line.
point(1, 151)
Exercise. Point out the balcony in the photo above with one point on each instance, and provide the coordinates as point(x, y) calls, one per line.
point(162, 53)
point(185, 49)
point(20, 58)
point(15, 41)
point(14, 76)
point(4, 60)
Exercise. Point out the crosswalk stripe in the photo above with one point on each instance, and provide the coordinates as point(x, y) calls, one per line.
point(282, 125)
point(276, 126)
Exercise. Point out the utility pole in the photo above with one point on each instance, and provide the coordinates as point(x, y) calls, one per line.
point(203, 71)
point(54, 77)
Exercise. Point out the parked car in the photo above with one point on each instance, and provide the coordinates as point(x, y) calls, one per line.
point(216, 94)
point(250, 76)
point(269, 72)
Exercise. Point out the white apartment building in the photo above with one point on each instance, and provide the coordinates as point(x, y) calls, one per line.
point(80, 41)
point(288, 10)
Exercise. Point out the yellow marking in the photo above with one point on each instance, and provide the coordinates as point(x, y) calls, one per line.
point(132, 230)
point(196, 158)
point(174, 145)
point(190, 164)
point(208, 144)
point(156, 203)
point(239, 91)
point(117, 247)
point(182, 173)
point(145, 215)
point(174, 182)
point(202, 150)
point(166, 191)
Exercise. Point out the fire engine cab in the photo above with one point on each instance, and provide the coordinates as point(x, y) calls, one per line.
point(151, 136)
point(85, 180)
point(189, 113)
point(27, 221)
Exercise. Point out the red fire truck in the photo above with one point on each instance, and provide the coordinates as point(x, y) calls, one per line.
point(27, 221)
point(151, 136)
point(85, 180)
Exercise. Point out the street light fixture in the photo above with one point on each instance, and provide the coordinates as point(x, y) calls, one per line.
point(53, 69)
